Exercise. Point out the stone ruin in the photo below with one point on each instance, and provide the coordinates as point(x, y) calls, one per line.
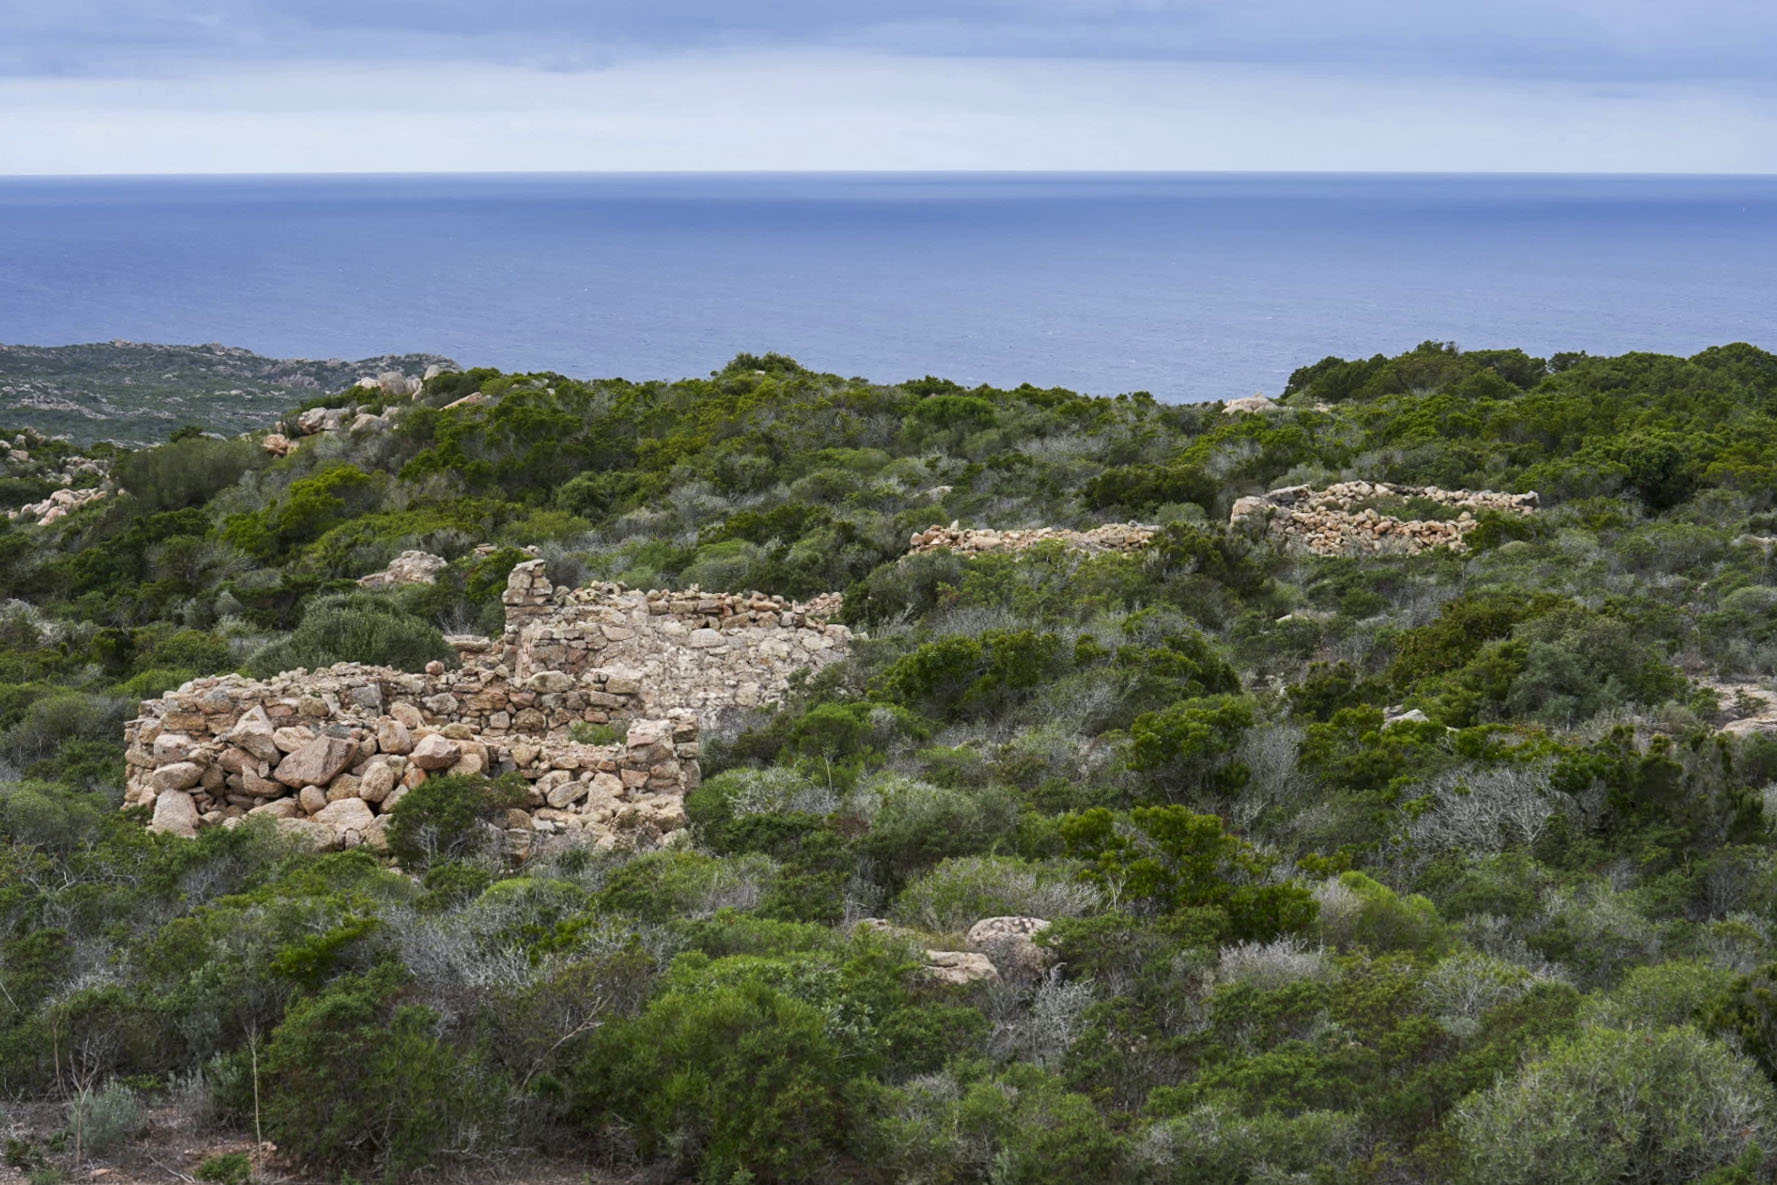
point(328, 753)
point(970, 540)
point(1337, 521)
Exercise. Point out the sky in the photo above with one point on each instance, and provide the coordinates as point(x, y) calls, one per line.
point(270, 86)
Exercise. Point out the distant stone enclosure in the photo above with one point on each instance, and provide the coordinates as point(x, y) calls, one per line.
point(1343, 520)
point(328, 753)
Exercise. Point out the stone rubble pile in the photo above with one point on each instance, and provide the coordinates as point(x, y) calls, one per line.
point(1110, 537)
point(1336, 521)
point(328, 754)
point(1000, 949)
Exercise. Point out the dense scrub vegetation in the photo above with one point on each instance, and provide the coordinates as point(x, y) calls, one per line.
point(1523, 934)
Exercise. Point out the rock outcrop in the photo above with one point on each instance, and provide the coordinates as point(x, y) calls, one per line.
point(410, 567)
point(1249, 405)
point(1342, 520)
point(1110, 537)
point(57, 506)
point(1010, 942)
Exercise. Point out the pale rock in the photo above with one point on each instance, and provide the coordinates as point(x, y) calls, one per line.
point(346, 814)
point(565, 794)
point(180, 775)
point(253, 732)
point(406, 714)
point(549, 681)
point(312, 799)
point(292, 738)
point(283, 808)
point(317, 762)
point(379, 779)
point(170, 747)
point(408, 568)
point(175, 814)
point(1011, 943)
point(958, 968)
point(435, 752)
point(392, 736)
point(319, 836)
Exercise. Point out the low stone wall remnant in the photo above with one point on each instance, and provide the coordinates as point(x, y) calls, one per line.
point(1337, 521)
point(329, 753)
point(1110, 537)
point(682, 649)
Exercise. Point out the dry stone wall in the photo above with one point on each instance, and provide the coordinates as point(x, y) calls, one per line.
point(645, 652)
point(329, 753)
point(1110, 537)
point(1339, 520)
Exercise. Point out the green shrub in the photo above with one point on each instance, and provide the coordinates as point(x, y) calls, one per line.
point(226, 1168)
point(101, 1120)
point(737, 1078)
point(445, 818)
point(1659, 1106)
point(354, 1077)
point(958, 892)
point(357, 628)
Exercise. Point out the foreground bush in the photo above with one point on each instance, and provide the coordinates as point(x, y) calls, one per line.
point(1657, 1107)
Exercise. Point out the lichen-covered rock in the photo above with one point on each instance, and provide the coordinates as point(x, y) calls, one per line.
point(410, 567)
point(958, 968)
point(1011, 943)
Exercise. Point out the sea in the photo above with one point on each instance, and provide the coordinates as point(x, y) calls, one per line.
point(1187, 286)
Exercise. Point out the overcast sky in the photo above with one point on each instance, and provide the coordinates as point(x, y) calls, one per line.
point(159, 86)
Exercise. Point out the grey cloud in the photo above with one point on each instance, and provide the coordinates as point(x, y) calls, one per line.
point(1615, 40)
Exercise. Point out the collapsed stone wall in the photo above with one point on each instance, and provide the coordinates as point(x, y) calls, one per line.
point(1109, 537)
point(328, 753)
point(1336, 521)
point(658, 650)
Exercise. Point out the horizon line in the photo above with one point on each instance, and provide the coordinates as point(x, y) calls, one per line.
point(862, 173)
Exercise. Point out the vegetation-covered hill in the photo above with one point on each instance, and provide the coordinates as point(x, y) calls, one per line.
point(132, 392)
point(1359, 869)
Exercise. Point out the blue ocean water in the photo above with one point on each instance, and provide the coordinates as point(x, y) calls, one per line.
point(1188, 286)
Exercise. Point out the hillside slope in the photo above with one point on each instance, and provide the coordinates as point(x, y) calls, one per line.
point(1373, 785)
point(133, 392)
